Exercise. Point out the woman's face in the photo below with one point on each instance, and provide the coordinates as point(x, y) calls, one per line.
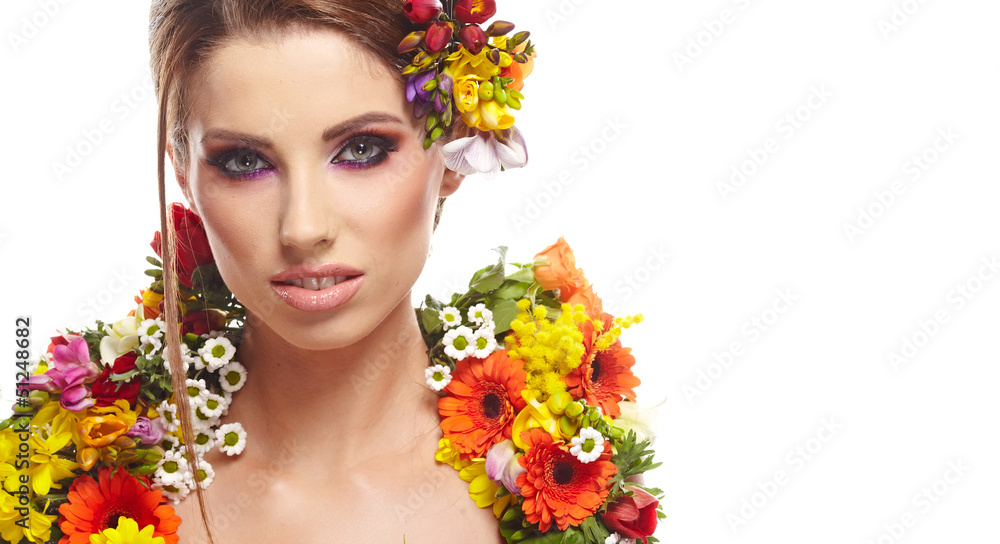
point(309, 173)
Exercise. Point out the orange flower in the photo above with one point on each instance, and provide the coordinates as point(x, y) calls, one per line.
point(100, 431)
point(484, 395)
point(555, 268)
point(603, 377)
point(95, 506)
point(518, 71)
point(557, 486)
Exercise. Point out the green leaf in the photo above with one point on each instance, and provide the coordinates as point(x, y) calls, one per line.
point(503, 313)
point(526, 274)
point(154, 261)
point(490, 278)
point(512, 290)
point(430, 318)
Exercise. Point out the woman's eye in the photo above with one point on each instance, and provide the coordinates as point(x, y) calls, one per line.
point(240, 163)
point(362, 152)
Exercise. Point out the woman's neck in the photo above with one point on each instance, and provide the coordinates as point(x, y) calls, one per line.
point(347, 403)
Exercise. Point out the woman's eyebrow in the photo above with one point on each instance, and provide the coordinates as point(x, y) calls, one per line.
point(331, 133)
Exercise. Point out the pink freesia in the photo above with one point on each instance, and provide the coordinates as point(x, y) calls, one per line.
point(502, 465)
point(486, 152)
point(71, 370)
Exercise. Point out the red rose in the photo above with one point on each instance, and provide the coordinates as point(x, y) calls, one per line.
point(633, 517)
point(438, 35)
point(192, 243)
point(203, 322)
point(422, 11)
point(475, 11)
point(472, 37)
point(105, 391)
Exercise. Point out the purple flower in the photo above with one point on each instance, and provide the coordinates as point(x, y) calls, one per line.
point(415, 93)
point(486, 152)
point(148, 431)
point(71, 370)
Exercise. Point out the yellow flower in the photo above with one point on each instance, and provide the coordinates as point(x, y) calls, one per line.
point(482, 489)
point(39, 526)
point(534, 415)
point(466, 95)
point(448, 455)
point(47, 467)
point(127, 532)
point(468, 71)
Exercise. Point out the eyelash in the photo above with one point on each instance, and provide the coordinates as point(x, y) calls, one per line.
point(385, 145)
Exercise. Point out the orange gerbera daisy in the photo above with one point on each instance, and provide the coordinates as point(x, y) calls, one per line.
point(557, 486)
point(96, 505)
point(484, 395)
point(603, 377)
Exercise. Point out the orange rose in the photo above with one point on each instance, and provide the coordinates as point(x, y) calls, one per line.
point(590, 301)
point(555, 268)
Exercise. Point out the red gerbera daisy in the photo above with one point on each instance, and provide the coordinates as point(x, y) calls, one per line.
point(96, 505)
point(557, 486)
point(484, 395)
point(603, 377)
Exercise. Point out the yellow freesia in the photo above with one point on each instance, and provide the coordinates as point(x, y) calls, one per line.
point(482, 489)
point(47, 467)
point(448, 455)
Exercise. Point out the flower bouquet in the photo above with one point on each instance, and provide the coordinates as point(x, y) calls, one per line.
point(538, 411)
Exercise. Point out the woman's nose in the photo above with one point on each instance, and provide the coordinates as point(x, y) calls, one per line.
point(307, 217)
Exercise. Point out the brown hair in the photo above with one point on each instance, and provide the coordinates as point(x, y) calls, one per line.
point(183, 35)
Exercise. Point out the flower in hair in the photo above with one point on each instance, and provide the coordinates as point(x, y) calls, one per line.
point(458, 69)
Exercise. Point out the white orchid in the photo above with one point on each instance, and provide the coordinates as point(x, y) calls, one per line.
point(486, 152)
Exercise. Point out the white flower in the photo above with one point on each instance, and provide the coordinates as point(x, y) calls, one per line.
point(437, 376)
point(487, 152)
point(217, 352)
point(150, 330)
point(175, 492)
point(480, 314)
point(172, 469)
point(450, 317)
point(204, 440)
point(175, 443)
point(459, 343)
point(168, 412)
point(232, 377)
point(588, 446)
point(615, 538)
point(636, 418)
point(209, 474)
point(186, 358)
point(121, 337)
point(213, 406)
point(231, 438)
point(485, 343)
point(197, 390)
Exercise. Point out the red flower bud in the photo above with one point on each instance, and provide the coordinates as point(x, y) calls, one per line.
point(633, 517)
point(472, 37)
point(422, 11)
point(192, 243)
point(475, 11)
point(438, 36)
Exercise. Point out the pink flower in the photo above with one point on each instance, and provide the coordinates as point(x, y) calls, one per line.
point(486, 152)
point(148, 431)
point(475, 11)
point(71, 370)
point(438, 36)
point(502, 465)
point(473, 38)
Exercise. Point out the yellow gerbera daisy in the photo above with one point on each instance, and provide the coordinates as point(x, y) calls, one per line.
point(127, 532)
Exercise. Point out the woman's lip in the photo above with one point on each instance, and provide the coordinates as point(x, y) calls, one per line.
point(322, 300)
point(299, 272)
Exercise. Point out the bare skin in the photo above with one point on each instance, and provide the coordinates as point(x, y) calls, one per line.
point(341, 427)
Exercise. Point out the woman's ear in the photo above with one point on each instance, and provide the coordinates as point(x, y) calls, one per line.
point(181, 174)
point(450, 182)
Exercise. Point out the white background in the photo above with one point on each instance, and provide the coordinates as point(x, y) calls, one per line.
point(667, 98)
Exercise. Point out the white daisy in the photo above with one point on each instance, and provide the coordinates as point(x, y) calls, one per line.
point(438, 376)
point(214, 405)
point(170, 442)
point(588, 446)
point(186, 358)
point(151, 329)
point(231, 438)
point(197, 391)
point(205, 474)
point(175, 492)
point(615, 538)
point(204, 440)
point(172, 469)
point(217, 352)
point(232, 377)
point(485, 343)
point(479, 314)
point(450, 317)
point(459, 342)
point(168, 412)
